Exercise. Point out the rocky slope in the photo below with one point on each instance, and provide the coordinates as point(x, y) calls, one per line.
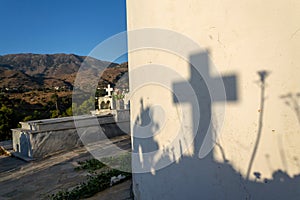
point(45, 71)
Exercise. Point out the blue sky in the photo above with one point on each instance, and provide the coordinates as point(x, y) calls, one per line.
point(59, 26)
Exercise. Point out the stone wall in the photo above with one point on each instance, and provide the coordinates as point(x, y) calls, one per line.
point(40, 138)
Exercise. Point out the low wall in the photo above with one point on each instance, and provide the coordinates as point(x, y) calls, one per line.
point(41, 138)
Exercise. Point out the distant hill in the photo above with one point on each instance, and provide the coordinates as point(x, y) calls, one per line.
point(41, 71)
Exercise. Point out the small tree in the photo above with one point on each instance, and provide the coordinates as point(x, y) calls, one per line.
point(6, 122)
point(54, 98)
point(85, 107)
point(54, 113)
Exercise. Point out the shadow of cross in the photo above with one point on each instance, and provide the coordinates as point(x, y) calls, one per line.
point(200, 92)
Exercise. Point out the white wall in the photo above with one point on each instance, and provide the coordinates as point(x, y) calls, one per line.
point(241, 38)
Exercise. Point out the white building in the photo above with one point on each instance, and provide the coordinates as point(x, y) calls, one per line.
point(254, 47)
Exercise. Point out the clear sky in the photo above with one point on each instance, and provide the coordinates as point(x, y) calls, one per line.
point(59, 26)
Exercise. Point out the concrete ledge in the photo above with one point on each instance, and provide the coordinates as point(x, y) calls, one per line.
point(41, 138)
point(20, 156)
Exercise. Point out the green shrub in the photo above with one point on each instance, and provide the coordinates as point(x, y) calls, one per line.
point(91, 187)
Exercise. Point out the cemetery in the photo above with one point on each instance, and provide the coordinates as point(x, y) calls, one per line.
point(213, 114)
point(62, 145)
point(41, 138)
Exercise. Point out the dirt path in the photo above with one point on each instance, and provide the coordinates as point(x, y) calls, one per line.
point(121, 191)
point(38, 179)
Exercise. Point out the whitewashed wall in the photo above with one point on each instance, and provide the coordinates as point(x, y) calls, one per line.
point(41, 138)
point(241, 38)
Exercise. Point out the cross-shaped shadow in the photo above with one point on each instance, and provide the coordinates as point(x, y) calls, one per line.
point(208, 90)
point(200, 176)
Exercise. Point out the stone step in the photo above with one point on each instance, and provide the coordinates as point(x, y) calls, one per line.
point(20, 156)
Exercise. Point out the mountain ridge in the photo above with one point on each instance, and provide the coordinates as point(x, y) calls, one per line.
point(40, 71)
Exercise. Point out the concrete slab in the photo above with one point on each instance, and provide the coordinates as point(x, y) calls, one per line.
point(19, 156)
point(42, 138)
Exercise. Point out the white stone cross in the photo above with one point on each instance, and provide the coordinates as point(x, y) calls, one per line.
point(109, 90)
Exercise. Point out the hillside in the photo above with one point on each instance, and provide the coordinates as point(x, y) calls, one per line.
point(23, 72)
point(37, 86)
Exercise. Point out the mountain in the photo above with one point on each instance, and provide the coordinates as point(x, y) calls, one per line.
point(47, 71)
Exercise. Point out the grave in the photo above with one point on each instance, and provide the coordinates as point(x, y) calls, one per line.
point(40, 138)
point(115, 100)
